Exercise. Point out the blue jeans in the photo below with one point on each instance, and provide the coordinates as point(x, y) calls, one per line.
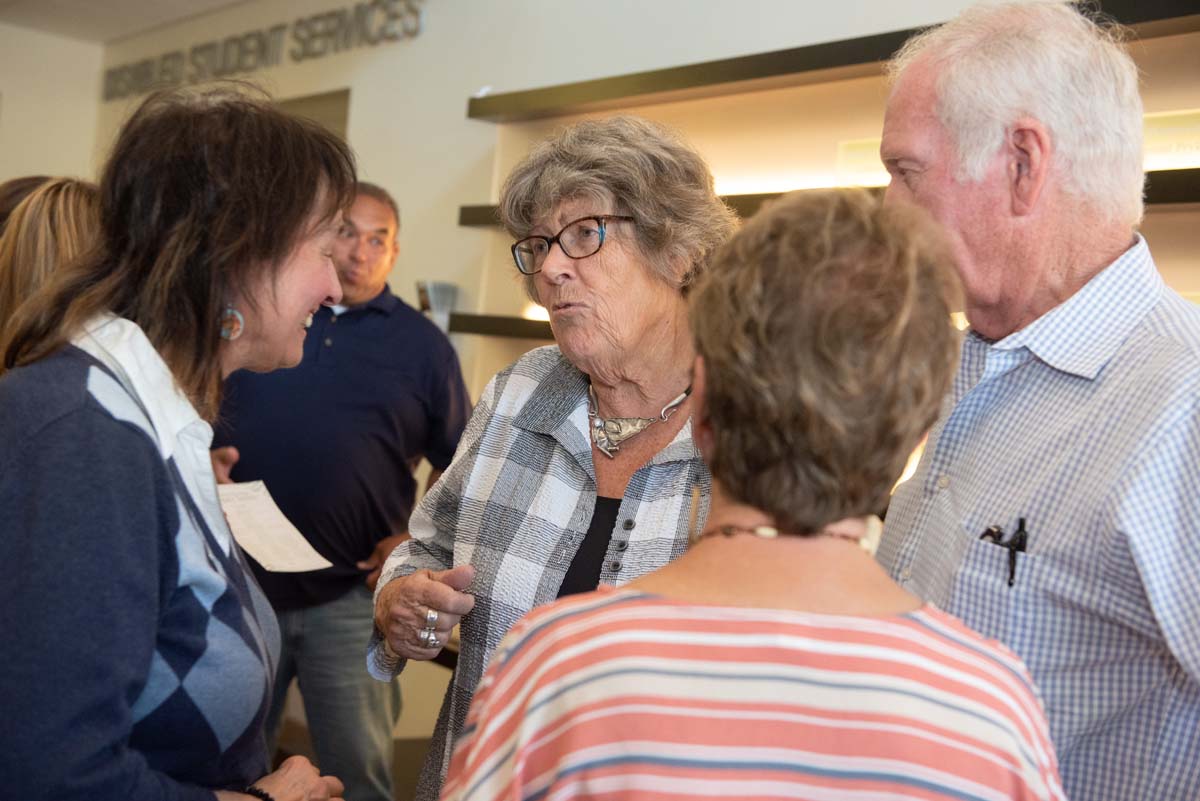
point(350, 714)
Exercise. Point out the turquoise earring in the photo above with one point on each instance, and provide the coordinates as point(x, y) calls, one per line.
point(232, 323)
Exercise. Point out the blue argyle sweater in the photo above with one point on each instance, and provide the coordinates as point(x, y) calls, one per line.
point(136, 652)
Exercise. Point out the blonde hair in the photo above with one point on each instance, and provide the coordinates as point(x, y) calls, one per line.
point(825, 329)
point(54, 225)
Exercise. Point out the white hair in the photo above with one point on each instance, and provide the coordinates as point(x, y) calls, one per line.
point(996, 64)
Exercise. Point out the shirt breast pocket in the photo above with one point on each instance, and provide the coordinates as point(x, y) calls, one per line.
point(983, 596)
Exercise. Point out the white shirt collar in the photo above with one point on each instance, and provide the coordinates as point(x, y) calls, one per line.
point(122, 346)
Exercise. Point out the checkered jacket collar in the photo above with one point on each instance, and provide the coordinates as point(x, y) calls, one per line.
point(1082, 334)
point(554, 408)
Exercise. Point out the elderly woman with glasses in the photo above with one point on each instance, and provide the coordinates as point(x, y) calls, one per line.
point(578, 465)
point(776, 659)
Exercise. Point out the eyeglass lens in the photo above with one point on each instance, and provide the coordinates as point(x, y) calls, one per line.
point(578, 240)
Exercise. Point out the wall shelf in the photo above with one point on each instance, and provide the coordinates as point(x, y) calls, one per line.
point(1162, 187)
point(817, 63)
point(494, 325)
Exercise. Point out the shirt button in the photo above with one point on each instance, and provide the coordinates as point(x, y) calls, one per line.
point(614, 566)
point(622, 545)
point(328, 342)
point(943, 482)
point(905, 574)
point(628, 524)
point(333, 320)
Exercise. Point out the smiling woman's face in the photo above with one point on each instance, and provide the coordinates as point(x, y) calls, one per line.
point(608, 306)
point(284, 303)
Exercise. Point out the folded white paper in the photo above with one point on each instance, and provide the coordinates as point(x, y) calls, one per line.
point(263, 532)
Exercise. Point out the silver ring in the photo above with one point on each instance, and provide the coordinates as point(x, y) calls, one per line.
point(431, 618)
point(426, 636)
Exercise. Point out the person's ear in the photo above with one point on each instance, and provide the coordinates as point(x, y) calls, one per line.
point(1028, 149)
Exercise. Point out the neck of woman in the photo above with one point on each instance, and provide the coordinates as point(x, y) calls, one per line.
point(824, 574)
point(639, 381)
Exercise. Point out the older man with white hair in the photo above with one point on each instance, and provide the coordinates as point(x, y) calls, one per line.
point(1056, 504)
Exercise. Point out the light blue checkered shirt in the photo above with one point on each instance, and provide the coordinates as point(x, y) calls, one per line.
point(1085, 424)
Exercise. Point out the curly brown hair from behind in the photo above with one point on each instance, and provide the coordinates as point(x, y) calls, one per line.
point(205, 191)
point(825, 330)
point(643, 169)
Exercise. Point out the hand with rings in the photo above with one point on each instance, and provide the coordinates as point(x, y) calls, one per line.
point(428, 635)
point(416, 613)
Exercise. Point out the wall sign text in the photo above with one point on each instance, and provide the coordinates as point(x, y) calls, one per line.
point(364, 24)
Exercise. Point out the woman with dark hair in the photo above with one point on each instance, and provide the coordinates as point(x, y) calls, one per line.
point(138, 649)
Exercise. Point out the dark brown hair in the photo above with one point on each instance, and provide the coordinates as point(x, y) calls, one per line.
point(203, 192)
point(382, 195)
point(825, 330)
point(13, 191)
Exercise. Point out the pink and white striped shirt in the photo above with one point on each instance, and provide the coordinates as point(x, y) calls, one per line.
point(620, 695)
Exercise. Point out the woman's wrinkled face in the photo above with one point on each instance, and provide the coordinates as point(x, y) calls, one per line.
point(605, 306)
point(283, 304)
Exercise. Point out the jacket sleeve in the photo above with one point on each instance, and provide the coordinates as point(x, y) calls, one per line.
point(433, 527)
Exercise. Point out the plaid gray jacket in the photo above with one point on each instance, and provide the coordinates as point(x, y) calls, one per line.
point(516, 503)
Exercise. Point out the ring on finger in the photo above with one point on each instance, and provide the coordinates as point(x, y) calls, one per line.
point(431, 618)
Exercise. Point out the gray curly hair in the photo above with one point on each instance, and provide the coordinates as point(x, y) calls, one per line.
point(645, 170)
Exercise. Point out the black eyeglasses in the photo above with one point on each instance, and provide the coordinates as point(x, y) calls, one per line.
point(578, 239)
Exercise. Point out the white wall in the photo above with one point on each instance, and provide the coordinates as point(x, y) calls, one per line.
point(49, 87)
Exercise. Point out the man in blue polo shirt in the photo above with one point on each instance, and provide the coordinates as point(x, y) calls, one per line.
point(336, 440)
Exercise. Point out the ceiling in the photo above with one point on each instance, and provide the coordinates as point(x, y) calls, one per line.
point(102, 20)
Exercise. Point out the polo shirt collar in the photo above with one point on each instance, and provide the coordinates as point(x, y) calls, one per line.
point(1081, 335)
point(122, 346)
point(384, 302)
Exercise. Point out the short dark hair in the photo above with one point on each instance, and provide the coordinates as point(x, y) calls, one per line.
point(825, 329)
point(382, 195)
point(204, 191)
point(13, 191)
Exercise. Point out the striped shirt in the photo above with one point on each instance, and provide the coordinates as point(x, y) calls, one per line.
point(516, 503)
point(624, 695)
point(1086, 424)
